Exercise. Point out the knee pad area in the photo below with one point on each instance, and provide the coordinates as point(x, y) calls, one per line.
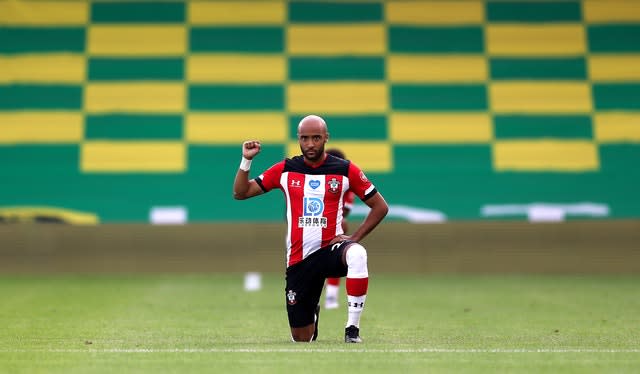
point(357, 261)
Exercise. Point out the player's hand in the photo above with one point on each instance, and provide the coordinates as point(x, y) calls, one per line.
point(250, 149)
point(340, 238)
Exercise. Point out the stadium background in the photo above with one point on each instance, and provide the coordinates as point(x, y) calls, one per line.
point(457, 110)
point(471, 111)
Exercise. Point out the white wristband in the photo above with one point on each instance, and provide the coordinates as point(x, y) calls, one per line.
point(245, 164)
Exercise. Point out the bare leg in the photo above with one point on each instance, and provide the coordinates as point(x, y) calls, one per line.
point(303, 334)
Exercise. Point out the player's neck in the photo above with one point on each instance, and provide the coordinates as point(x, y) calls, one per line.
point(316, 163)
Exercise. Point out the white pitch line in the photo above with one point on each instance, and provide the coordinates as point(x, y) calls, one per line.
point(322, 350)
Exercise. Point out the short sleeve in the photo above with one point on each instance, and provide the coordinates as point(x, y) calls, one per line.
point(270, 179)
point(359, 184)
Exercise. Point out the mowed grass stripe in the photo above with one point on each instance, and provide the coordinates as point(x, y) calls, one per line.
point(327, 350)
point(479, 323)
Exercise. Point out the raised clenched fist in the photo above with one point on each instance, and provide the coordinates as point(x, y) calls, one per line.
point(250, 149)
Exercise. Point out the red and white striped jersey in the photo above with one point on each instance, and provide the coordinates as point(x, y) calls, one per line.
point(314, 198)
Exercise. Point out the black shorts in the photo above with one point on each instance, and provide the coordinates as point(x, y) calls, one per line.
point(305, 281)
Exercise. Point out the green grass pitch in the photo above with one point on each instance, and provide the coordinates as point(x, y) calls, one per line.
point(412, 323)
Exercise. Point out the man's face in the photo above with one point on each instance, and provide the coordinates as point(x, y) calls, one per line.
point(312, 141)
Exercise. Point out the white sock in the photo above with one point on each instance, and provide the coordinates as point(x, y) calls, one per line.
point(331, 292)
point(356, 283)
point(356, 306)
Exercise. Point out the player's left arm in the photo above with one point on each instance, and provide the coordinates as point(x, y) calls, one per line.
point(378, 211)
point(368, 193)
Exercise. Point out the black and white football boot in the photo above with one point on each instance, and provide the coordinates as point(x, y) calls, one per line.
point(352, 335)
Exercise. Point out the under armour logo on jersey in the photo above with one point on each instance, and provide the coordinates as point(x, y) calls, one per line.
point(356, 305)
point(295, 183)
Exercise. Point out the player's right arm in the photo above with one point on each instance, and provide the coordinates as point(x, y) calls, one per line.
point(243, 188)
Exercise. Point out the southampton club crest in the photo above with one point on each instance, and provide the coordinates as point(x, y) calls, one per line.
point(334, 185)
point(291, 298)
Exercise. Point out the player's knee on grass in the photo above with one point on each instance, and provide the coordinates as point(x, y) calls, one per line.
point(302, 334)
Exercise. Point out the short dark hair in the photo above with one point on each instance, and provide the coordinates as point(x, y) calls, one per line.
point(336, 152)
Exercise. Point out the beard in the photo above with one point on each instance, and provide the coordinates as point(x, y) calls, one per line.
point(315, 154)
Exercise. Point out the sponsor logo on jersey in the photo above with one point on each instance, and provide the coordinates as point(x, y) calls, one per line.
point(363, 177)
point(314, 183)
point(312, 222)
point(295, 183)
point(313, 206)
